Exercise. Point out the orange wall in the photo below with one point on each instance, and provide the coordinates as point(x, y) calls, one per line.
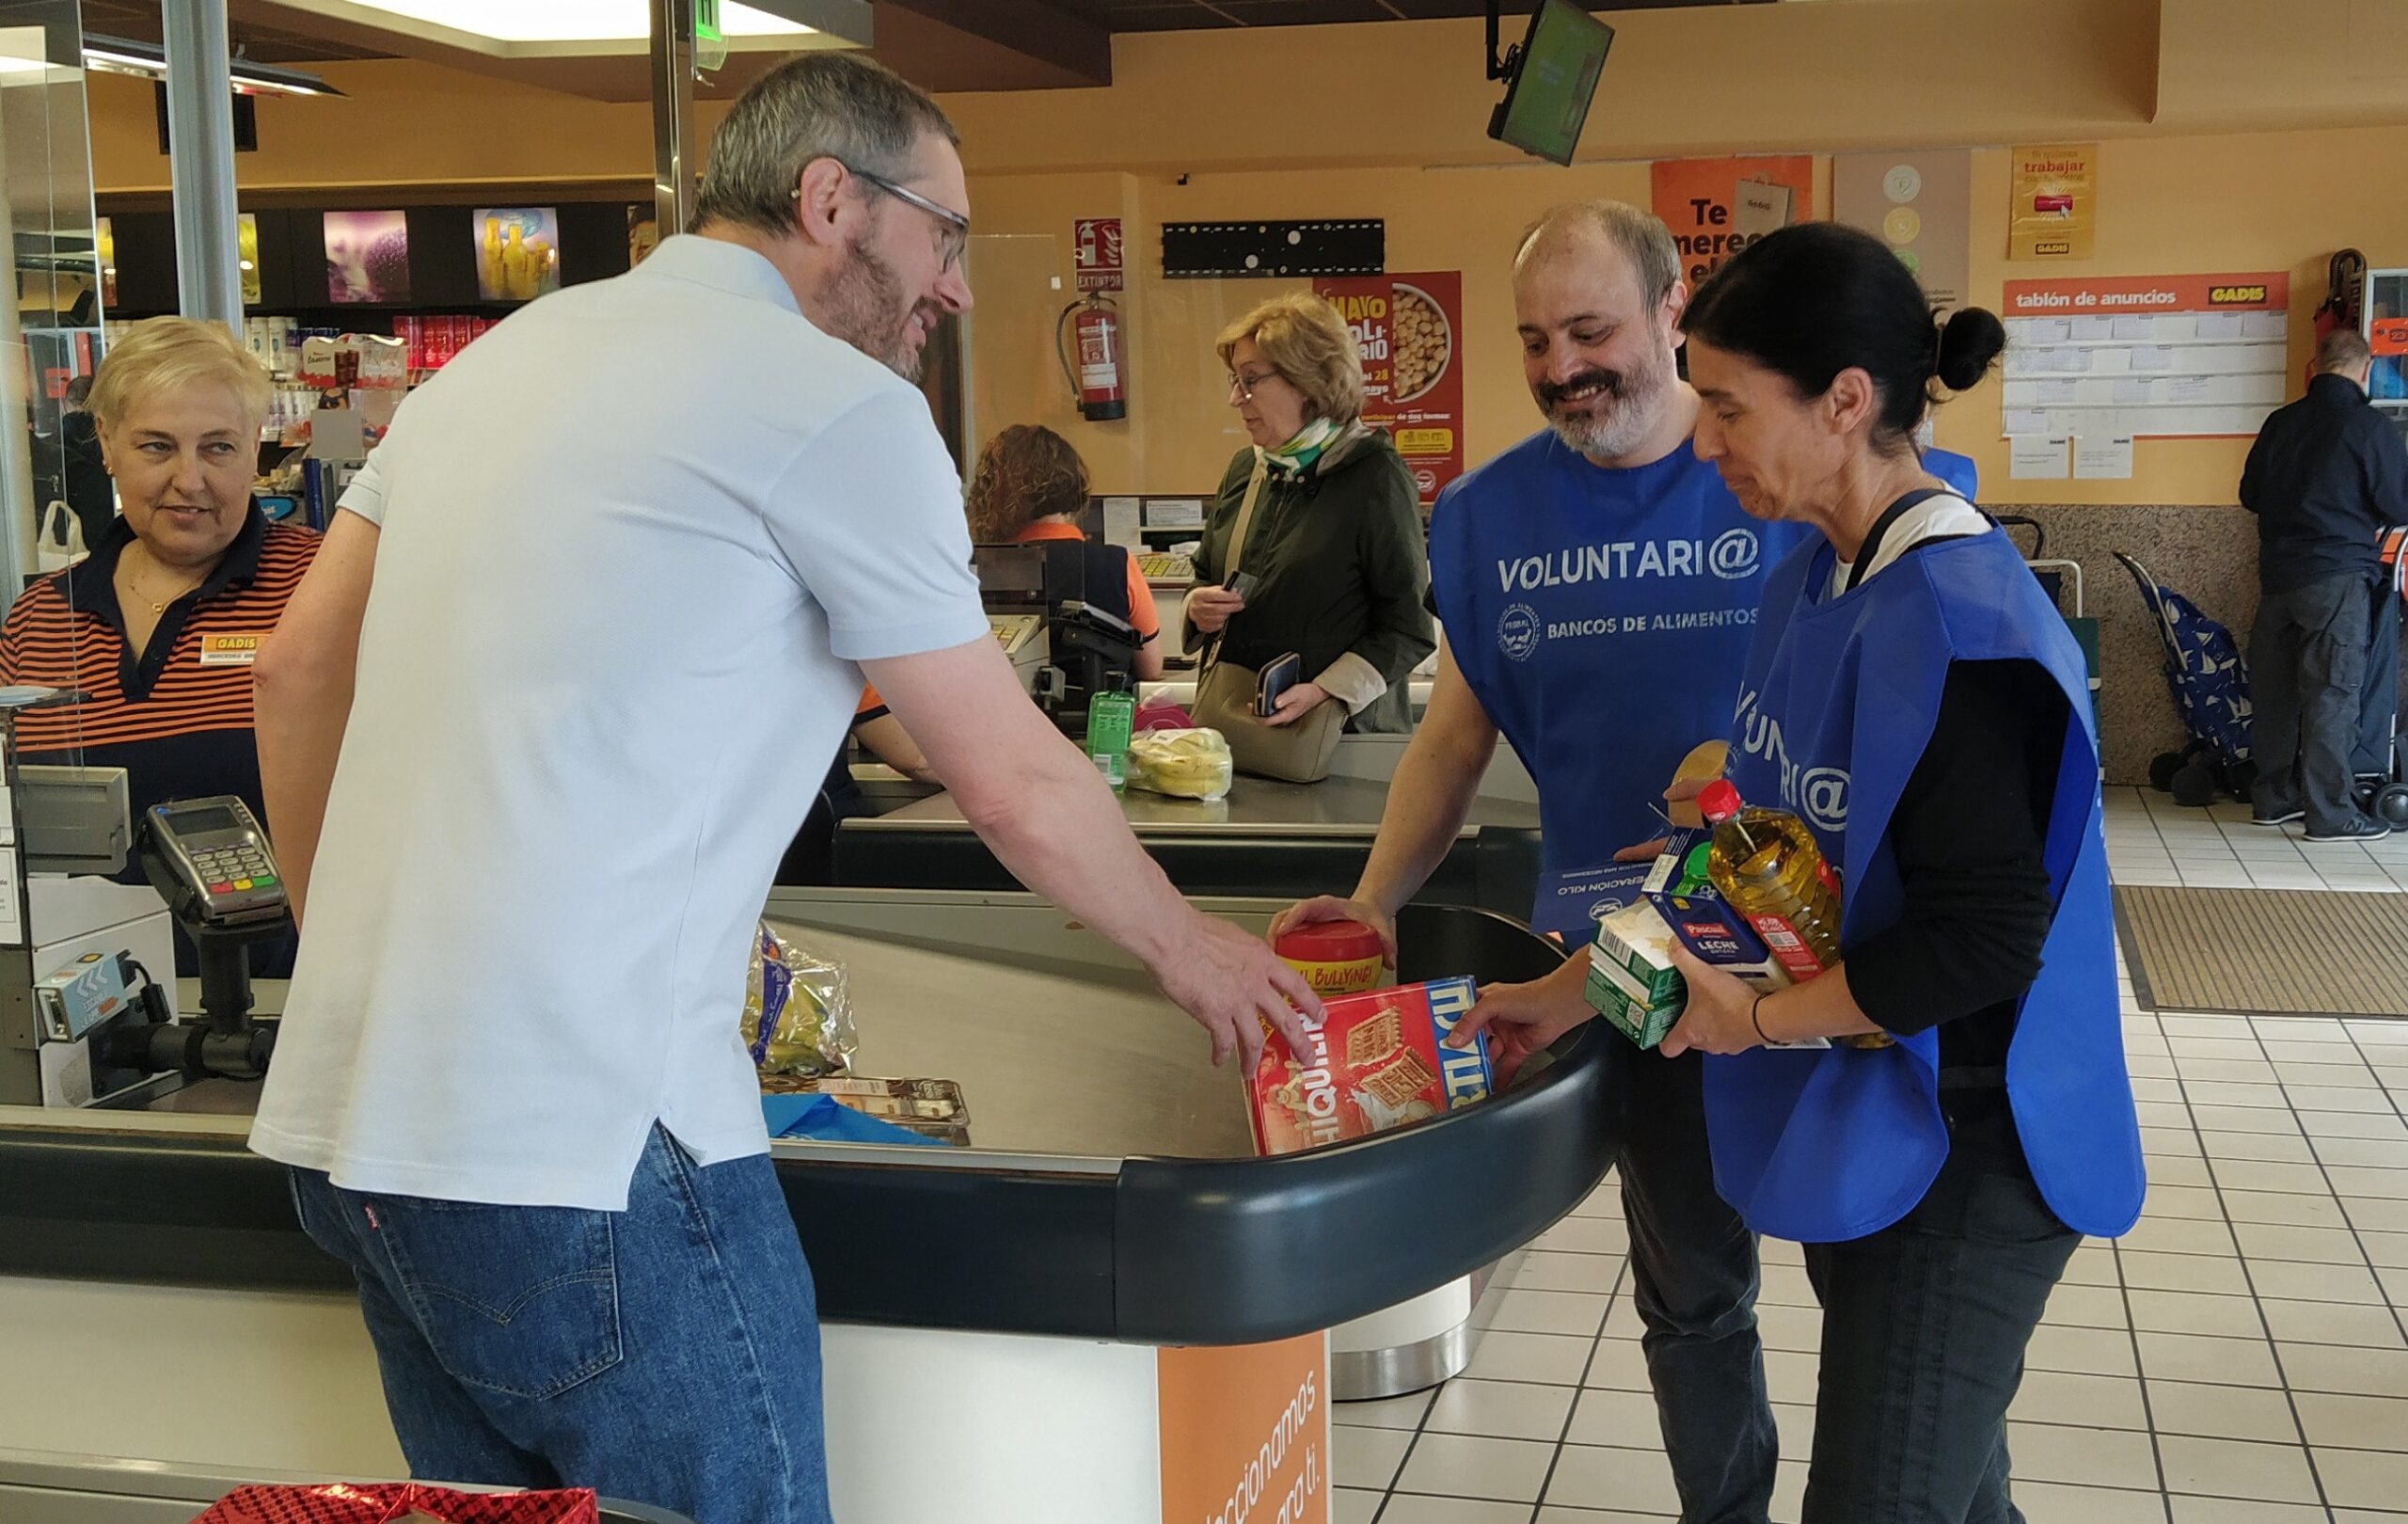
point(2199, 104)
point(2255, 202)
point(400, 123)
point(1700, 80)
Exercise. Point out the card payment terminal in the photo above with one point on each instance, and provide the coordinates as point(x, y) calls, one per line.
point(209, 858)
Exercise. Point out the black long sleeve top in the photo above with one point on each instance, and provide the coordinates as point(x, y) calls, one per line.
point(1967, 834)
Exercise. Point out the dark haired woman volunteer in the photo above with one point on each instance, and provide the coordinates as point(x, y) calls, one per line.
point(1912, 695)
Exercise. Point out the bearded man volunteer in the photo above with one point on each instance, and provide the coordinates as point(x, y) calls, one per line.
point(1598, 585)
point(618, 622)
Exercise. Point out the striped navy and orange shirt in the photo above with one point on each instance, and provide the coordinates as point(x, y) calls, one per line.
point(178, 719)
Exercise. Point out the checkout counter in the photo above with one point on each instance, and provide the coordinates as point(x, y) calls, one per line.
point(1104, 1310)
point(1267, 838)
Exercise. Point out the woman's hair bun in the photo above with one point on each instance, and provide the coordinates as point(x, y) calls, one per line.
point(1969, 344)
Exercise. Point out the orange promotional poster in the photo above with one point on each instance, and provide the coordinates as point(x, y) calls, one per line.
point(1246, 1433)
point(1406, 330)
point(2389, 336)
point(1711, 219)
point(2052, 205)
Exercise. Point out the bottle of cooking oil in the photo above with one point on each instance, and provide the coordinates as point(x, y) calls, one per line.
point(1767, 866)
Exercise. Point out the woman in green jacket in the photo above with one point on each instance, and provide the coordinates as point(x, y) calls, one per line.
point(1335, 561)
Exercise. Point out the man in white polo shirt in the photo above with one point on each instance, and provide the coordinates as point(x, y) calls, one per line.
point(640, 545)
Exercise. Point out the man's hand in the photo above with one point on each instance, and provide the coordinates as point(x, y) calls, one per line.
point(1523, 1019)
point(1232, 984)
point(1296, 702)
point(1209, 608)
point(1331, 908)
point(1037, 800)
point(1720, 1015)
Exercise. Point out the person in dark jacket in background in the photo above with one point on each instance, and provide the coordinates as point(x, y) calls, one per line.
point(1334, 550)
point(85, 473)
point(2326, 475)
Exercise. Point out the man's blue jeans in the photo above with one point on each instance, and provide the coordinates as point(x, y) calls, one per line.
point(667, 1354)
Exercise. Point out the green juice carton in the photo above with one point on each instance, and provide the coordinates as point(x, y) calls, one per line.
point(1111, 716)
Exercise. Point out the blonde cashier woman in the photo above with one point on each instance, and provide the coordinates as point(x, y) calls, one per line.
point(1907, 662)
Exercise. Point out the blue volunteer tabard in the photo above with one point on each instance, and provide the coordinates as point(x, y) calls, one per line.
point(1839, 700)
point(1601, 616)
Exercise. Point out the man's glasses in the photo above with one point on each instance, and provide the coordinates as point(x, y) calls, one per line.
point(953, 237)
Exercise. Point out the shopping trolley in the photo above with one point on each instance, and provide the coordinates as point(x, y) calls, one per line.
point(2209, 681)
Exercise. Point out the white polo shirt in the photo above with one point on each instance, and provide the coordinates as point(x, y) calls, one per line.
point(638, 535)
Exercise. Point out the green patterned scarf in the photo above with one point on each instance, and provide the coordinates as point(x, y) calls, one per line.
point(1297, 455)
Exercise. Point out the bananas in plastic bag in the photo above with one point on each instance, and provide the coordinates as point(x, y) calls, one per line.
point(1185, 763)
point(798, 1012)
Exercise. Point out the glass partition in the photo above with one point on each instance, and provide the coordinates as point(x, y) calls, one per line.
point(54, 325)
point(54, 491)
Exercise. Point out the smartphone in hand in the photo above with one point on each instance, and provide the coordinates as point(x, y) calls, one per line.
point(1278, 675)
point(1242, 583)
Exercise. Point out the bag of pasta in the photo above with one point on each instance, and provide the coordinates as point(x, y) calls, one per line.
point(798, 1012)
point(1184, 763)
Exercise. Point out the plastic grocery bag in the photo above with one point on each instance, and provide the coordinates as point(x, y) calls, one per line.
point(394, 1503)
point(1185, 763)
point(798, 1012)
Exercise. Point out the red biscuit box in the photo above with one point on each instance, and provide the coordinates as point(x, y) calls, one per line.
point(1376, 1063)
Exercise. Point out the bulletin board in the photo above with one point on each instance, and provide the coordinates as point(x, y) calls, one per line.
point(2166, 356)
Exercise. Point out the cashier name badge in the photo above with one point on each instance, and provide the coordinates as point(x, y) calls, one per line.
point(230, 650)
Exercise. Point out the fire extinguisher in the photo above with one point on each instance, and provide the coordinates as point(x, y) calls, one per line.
point(1094, 327)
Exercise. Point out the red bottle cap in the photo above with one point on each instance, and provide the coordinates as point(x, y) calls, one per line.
point(1718, 801)
point(1331, 942)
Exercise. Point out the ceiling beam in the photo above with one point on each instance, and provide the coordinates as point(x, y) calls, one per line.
point(1055, 41)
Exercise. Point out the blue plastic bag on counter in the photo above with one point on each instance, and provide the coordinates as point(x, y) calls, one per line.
point(820, 1118)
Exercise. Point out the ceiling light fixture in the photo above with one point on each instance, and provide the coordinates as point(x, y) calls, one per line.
point(566, 21)
point(149, 60)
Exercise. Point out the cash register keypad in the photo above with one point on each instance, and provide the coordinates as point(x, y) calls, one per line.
point(233, 869)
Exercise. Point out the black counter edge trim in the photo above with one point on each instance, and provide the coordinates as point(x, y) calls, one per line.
point(1254, 1257)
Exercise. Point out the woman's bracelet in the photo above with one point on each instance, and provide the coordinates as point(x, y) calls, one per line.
point(1755, 1021)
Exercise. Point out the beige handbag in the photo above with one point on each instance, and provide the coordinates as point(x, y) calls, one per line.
point(1225, 692)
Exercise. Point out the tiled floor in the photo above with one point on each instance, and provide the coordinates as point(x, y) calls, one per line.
point(2152, 840)
point(2241, 1358)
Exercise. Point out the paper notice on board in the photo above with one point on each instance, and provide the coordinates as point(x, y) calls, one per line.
point(2025, 422)
point(1174, 513)
point(2134, 329)
point(2220, 325)
point(1760, 207)
point(2093, 330)
point(2048, 330)
point(2037, 458)
point(1124, 522)
point(2103, 457)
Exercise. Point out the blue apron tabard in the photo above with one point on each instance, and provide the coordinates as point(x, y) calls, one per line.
point(1839, 699)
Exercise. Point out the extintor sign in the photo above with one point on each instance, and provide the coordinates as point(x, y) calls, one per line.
point(1096, 243)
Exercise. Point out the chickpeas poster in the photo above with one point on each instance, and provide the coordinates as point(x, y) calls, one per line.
point(1698, 199)
point(1406, 328)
